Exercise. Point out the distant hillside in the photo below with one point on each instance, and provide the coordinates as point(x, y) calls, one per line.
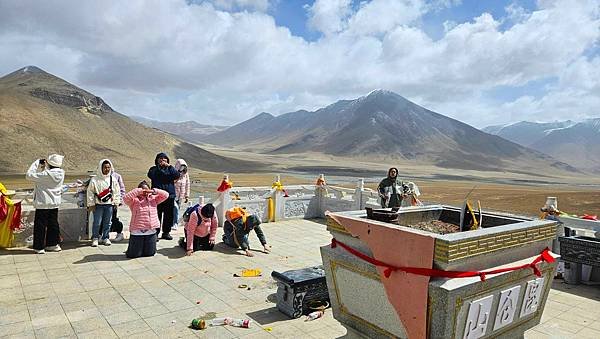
point(567, 141)
point(527, 133)
point(187, 130)
point(383, 124)
point(41, 113)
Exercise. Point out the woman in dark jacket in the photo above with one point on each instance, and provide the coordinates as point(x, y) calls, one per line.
point(163, 177)
point(391, 189)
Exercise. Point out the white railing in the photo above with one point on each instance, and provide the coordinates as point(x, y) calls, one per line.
point(280, 202)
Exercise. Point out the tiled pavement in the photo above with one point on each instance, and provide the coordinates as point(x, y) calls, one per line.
point(90, 292)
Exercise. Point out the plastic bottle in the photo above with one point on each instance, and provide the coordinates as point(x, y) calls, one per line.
point(245, 323)
point(314, 315)
point(220, 321)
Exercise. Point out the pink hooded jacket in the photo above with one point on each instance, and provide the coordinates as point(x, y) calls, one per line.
point(206, 226)
point(143, 208)
point(182, 185)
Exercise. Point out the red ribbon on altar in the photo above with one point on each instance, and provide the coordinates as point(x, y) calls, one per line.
point(544, 256)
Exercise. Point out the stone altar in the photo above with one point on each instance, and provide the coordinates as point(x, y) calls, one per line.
point(406, 305)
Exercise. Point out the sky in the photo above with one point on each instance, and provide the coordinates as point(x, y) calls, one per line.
point(224, 61)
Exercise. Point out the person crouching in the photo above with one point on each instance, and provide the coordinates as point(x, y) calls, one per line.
point(236, 232)
point(200, 230)
point(142, 202)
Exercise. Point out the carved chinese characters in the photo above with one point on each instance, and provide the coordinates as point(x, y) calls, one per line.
point(478, 317)
point(480, 311)
point(533, 294)
point(507, 307)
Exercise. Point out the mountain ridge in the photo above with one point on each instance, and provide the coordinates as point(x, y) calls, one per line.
point(381, 124)
point(571, 142)
point(189, 130)
point(45, 114)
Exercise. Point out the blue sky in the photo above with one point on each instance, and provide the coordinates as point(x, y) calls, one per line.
point(293, 15)
point(224, 61)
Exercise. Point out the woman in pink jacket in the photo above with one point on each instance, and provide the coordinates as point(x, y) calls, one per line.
point(182, 190)
point(201, 230)
point(142, 202)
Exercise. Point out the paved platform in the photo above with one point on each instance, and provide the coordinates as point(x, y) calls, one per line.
point(85, 292)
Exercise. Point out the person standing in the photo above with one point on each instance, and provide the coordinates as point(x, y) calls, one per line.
point(103, 194)
point(144, 220)
point(391, 189)
point(48, 178)
point(182, 190)
point(115, 224)
point(163, 176)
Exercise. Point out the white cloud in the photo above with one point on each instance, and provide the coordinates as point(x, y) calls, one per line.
point(231, 5)
point(210, 62)
point(516, 13)
point(380, 16)
point(329, 16)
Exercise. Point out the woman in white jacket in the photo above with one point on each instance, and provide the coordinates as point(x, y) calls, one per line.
point(103, 194)
point(182, 190)
point(48, 178)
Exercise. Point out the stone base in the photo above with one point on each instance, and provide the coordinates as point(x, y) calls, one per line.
point(491, 308)
point(357, 296)
point(352, 334)
point(72, 221)
point(503, 306)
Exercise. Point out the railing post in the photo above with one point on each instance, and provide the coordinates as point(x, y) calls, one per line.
point(224, 200)
point(90, 213)
point(278, 199)
point(321, 195)
point(358, 194)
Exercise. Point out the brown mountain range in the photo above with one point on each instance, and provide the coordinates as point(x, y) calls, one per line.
point(41, 114)
point(575, 143)
point(187, 130)
point(384, 125)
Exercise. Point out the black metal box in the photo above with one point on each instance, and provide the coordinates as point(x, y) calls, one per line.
point(297, 289)
point(580, 249)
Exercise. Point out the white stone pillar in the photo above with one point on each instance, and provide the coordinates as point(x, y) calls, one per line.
point(90, 213)
point(278, 201)
point(321, 196)
point(358, 194)
point(224, 202)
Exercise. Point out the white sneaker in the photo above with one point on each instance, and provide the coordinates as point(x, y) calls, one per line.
point(55, 248)
point(95, 242)
point(119, 237)
point(40, 251)
point(174, 228)
point(106, 242)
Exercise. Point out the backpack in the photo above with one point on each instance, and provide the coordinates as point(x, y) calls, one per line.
point(189, 211)
point(235, 213)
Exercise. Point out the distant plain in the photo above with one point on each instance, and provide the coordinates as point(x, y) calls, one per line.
point(506, 191)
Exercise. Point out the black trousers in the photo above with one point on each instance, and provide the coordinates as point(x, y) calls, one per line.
point(141, 246)
point(116, 225)
point(165, 215)
point(200, 243)
point(46, 231)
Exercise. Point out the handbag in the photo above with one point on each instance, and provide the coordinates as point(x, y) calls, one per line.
point(106, 194)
